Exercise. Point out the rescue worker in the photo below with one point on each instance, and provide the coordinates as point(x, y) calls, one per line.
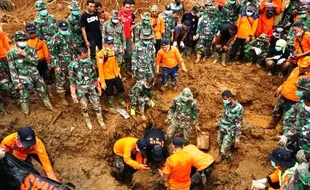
point(44, 63)
point(45, 23)
point(177, 6)
point(74, 23)
point(222, 41)
point(62, 53)
point(25, 144)
point(158, 24)
point(287, 92)
point(192, 17)
point(256, 51)
point(247, 24)
point(24, 73)
point(234, 10)
point(109, 73)
point(126, 148)
point(180, 35)
point(301, 41)
point(84, 85)
point(141, 96)
point(229, 131)
point(285, 165)
point(144, 29)
point(169, 58)
point(143, 57)
point(103, 15)
point(176, 172)
point(169, 23)
point(206, 30)
point(115, 29)
point(182, 115)
point(221, 15)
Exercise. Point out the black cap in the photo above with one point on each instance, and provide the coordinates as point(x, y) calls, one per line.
point(298, 24)
point(282, 157)
point(30, 28)
point(168, 7)
point(187, 23)
point(108, 39)
point(141, 143)
point(63, 25)
point(165, 42)
point(195, 9)
point(27, 136)
point(178, 142)
point(227, 93)
point(306, 95)
point(157, 153)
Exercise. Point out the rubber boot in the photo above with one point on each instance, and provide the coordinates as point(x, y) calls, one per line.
point(87, 120)
point(25, 108)
point(273, 123)
point(121, 99)
point(2, 110)
point(63, 99)
point(141, 109)
point(47, 103)
point(198, 58)
point(100, 120)
point(49, 90)
point(223, 59)
point(215, 57)
point(111, 104)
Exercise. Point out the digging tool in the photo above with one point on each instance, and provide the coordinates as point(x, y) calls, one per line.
point(56, 117)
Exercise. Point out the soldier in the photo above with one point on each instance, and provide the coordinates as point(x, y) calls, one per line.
point(229, 127)
point(109, 73)
point(74, 23)
point(115, 29)
point(45, 23)
point(24, 73)
point(144, 28)
point(62, 53)
point(169, 23)
point(256, 50)
point(205, 33)
point(234, 9)
point(143, 58)
point(141, 95)
point(221, 15)
point(182, 115)
point(84, 85)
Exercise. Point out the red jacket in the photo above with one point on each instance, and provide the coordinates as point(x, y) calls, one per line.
point(126, 19)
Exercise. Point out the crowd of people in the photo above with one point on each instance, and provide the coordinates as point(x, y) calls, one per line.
point(95, 51)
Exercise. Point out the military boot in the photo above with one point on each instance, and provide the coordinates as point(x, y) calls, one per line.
point(121, 99)
point(25, 108)
point(198, 57)
point(215, 57)
point(49, 90)
point(141, 110)
point(223, 63)
point(47, 103)
point(111, 104)
point(63, 99)
point(100, 120)
point(87, 120)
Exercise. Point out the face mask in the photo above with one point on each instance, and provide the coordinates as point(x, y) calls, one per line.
point(22, 44)
point(279, 30)
point(273, 164)
point(278, 48)
point(84, 60)
point(226, 102)
point(201, 13)
point(65, 33)
point(115, 21)
point(76, 13)
point(146, 21)
point(303, 15)
point(307, 108)
point(298, 34)
point(146, 42)
point(43, 12)
point(232, 2)
point(193, 14)
point(249, 13)
point(168, 12)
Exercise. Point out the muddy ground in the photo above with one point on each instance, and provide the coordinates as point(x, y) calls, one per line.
point(84, 156)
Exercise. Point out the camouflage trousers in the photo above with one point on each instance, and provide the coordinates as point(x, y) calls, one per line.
point(203, 46)
point(92, 96)
point(6, 85)
point(143, 75)
point(179, 125)
point(29, 82)
point(250, 56)
point(141, 102)
point(119, 54)
point(121, 169)
point(282, 106)
point(61, 80)
point(224, 142)
point(167, 36)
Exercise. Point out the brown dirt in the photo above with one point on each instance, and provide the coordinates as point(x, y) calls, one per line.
point(84, 157)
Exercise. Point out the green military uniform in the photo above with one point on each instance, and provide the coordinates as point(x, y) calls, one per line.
point(221, 17)
point(304, 83)
point(229, 127)
point(23, 70)
point(182, 114)
point(251, 52)
point(144, 29)
point(75, 25)
point(289, 11)
point(169, 24)
point(115, 29)
point(234, 9)
point(46, 24)
point(140, 96)
point(83, 76)
point(300, 180)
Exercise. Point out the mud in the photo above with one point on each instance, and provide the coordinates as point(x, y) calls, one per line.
point(84, 156)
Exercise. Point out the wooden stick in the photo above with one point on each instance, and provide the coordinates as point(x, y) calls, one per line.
point(56, 117)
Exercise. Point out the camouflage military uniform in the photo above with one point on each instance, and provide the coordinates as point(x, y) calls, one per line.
point(182, 114)
point(221, 17)
point(304, 83)
point(289, 11)
point(143, 30)
point(300, 180)
point(140, 95)
point(233, 11)
point(46, 28)
point(169, 25)
point(143, 60)
point(75, 28)
point(249, 50)
point(245, 3)
point(62, 53)
point(229, 127)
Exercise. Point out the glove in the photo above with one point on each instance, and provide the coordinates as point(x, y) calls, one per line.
point(52, 175)
point(283, 140)
point(263, 181)
point(2, 153)
point(256, 185)
point(237, 141)
point(258, 51)
point(152, 103)
point(143, 167)
point(299, 94)
point(280, 61)
point(196, 37)
point(277, 57)
point(175, 44)
point(301, 156)
point(132, 111)
point(182, 45)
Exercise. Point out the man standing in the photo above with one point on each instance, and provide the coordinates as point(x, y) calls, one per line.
point(229, 131)
point(144, 29)
point(74, 23)
point(24, 73)
point(62, 53)
point(182, 115)
point(180, 35)
point(169, 23)
point(192, 17)
point(221, 15)
point(301, 41)
point(103, 16)
point(158, 24)
point(234, 9)
point(84, 85)
point(91, 29)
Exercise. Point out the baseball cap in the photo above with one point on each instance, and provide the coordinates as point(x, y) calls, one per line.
point(178, 141)
point(141, 143)
point(108, 39)
point(30, 28)
point(227, 93)
point(165, 42)
point(63, 25)
point(282, 157)
point(26, 136)
point(157, 153)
